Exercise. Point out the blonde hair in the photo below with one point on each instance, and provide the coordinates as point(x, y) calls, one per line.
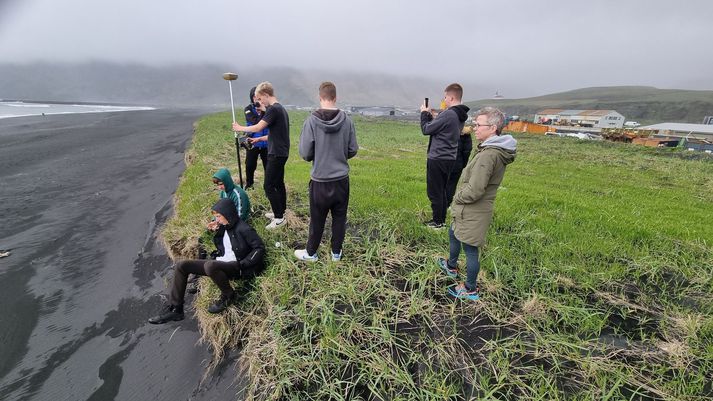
point(265, 88)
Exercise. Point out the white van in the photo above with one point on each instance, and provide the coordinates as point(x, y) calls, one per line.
point(631, 124)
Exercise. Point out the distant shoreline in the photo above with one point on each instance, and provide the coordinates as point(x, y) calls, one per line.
point(21, 108)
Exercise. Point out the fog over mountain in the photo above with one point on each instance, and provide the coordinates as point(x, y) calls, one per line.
point(202, 85)
point(520, 48)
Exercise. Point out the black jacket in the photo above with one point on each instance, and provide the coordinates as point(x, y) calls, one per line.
point(246, 243)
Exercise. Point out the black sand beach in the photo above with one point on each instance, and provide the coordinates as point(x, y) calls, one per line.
point(81, 197)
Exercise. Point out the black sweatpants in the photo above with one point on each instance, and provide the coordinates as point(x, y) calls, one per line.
point(251, 157)
point(219, 272)
point(325, 197)
point(437, 173)
point(275, 185)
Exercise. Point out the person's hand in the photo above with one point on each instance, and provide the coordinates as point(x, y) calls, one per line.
point(258, 139)
point(213, 225)
point(238, 127)
point(424, 108)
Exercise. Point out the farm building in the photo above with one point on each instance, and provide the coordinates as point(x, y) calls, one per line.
point(582, 118)
point(374, 111)
point(681, 130)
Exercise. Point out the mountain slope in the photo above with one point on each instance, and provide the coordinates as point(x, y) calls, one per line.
point(641, 103)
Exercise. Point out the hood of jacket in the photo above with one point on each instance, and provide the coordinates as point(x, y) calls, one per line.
point(462, 112)
point(226, 207)
point(330, 120)
point(505, 144)
point(224, 176)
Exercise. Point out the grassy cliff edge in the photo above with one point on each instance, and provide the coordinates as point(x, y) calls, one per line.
point(596, 279)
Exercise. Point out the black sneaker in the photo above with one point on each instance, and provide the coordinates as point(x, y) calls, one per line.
point(434, 226)
point(222, 303)
point(169, 313)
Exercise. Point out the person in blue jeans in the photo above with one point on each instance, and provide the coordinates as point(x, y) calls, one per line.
point(472, 208)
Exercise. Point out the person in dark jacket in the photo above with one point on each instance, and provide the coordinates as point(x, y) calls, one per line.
point(253, 114)
point(444, 134)
point(465, 147)
point(240, 254)
point(328, 139)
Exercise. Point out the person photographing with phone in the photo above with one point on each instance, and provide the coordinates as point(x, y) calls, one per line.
point(444, 134)
point(253, 114)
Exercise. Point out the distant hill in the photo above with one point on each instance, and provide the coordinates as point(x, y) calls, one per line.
point(647, 105)
point(202, 85)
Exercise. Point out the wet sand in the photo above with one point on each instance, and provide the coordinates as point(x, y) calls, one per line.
point(81, 197)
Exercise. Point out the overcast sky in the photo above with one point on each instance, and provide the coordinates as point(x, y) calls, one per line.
point(522, 47)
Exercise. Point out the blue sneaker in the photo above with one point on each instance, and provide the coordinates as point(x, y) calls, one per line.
point(443, 265)
point(459, 291)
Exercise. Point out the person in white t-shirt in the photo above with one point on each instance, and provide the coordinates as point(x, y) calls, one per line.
point(240, 254)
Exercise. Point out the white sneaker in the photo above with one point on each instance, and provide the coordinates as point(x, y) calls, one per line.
point(336, 257)
point(270, 215)
point(301, 254)
point(276, 223)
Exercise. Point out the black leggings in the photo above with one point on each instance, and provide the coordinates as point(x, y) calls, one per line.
point(219, 272)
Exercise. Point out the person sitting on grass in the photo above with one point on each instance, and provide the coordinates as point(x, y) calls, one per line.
point(472, 208)
point(240, 254)
point(240, 199)
point(229, 190)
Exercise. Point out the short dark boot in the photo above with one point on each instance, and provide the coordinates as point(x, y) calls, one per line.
point(222, 303)
point(169, 313)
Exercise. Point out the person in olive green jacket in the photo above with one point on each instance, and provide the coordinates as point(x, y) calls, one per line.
point(472, 208)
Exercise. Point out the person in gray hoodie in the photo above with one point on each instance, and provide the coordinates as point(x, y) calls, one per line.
point(328, 139)
point(472, 208)
point(444, 133)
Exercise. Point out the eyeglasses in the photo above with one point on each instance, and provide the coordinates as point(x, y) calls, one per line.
point(218, 182)
point(476, 125)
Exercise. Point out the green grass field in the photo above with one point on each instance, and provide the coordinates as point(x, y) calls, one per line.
point(596, 280)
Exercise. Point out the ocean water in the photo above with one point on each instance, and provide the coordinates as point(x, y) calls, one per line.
point(10, 109)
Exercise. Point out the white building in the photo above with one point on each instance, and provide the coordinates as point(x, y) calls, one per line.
point(582, 118)
point(682, 130)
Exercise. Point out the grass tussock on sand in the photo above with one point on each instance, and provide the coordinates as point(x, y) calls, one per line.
point(595, 282)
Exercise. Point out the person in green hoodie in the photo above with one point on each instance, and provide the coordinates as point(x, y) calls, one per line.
point(228, 189)
point(472, 208)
